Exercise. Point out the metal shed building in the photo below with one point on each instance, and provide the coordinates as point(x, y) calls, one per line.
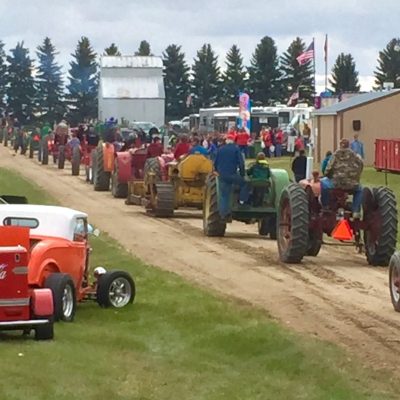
point(132, 87)
point(372, 115)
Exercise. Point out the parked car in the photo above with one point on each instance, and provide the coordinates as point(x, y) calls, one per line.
point(59, 257)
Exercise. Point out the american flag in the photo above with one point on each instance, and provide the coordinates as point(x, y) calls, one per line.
point(293, 98)
point(308, 55)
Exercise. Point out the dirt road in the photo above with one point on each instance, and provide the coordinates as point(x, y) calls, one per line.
point(335, 296)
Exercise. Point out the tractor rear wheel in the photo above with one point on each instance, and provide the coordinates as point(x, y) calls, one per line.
point(267, 226)
point(45, 154)
point(394, 280)
point(61, 157)
point(118, 190)
point(380, 238)
point(293, 224)
point(213, 224)
point(101, 177)
point(165, 200)
point(76, 160)
point(64, 297)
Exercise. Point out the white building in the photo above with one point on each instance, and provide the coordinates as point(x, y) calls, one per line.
point(132, 87)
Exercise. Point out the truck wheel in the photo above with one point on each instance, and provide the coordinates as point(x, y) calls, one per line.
point(394, 280)
point(118, 190)
point(61, 157)
point(381, 236)
point(45, 154)
point(267, 226)
point(76, 161)
point(115, 289)
point(64, 298)
point(101, 178)
point(293, 222)
point(213, 224)
point(45, 332)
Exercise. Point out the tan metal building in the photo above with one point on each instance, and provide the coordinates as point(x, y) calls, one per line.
point(372, 115)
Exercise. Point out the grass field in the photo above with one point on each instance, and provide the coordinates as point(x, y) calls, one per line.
point(175, 342)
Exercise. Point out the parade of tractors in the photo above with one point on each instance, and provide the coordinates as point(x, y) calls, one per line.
point(41, 282)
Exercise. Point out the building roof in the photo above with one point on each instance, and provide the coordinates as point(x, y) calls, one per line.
point(355, 101)
point(130, 62)
point(149, 87)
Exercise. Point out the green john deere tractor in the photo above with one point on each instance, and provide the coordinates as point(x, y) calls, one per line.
point(262, 211)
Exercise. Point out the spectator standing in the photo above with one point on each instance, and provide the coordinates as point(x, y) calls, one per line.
point(197, 148)
point(306, 134)
point(357, 146)
point(278, 143)
point(182, 148)
point(155, 149)
point(267, 139)
point(242, 140)
point(299, 166)
point(325, 161)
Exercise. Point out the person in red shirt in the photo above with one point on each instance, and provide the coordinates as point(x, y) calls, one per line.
point(278, 142)
point(182, 148)
point(242, 140)
point(155, 149)
point(233, 132)
point(299, 143)
point(267, 139)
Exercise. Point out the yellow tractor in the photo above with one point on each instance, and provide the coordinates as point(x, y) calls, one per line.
point(169, 186)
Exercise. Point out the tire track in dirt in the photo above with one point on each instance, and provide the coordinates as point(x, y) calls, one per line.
point(335, 296)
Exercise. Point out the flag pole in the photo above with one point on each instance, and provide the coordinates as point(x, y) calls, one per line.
point(315, 82)
point(326, 62)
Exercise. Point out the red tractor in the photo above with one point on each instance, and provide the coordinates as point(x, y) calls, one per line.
point(302, 222)
point(21, 306)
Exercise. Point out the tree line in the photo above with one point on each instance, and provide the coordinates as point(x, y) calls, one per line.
point(37, 90)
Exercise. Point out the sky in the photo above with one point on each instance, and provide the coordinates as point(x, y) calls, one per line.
point(359, 27)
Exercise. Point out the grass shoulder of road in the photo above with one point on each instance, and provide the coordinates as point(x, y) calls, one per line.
point(176, 342)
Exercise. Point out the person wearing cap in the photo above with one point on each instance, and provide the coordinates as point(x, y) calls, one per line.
point(229, 166)
point(197, 148)
point(343, 172)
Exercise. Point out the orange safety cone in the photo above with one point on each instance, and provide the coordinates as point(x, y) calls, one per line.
point(342, 231)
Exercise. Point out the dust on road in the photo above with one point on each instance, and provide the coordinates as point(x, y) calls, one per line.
point(335, 296)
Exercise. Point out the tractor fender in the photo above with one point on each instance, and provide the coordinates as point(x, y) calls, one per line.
point(42, 302)
point(108, 157)
point(123, 159)
point(280, 180)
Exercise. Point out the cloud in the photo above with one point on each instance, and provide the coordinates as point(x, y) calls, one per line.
point(361, 28)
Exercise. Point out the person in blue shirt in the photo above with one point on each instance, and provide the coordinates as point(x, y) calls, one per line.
point(325, 161)
point(197, 148)
point(229, 166)
point(357, 146)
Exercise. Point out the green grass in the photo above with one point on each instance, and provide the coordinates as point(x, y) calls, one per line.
point(176, 342)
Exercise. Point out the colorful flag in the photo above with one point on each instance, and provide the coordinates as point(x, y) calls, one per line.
point(308, 55)
point(244, 111)
point(326, 49)
point(293, 98)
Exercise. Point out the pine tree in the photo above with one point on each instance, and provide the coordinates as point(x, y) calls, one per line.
point(112, 50)
point(388, 69)
point(3, 78)
point(264, 75)
point(296, 77)
point(344, 75)
point(234, 77)
point(83, 82)
point(176, 81)
point(49, 83)
point(206, 77)
point(21, 86)
point(144, 49)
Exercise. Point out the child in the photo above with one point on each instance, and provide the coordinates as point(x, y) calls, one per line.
point(259, 171)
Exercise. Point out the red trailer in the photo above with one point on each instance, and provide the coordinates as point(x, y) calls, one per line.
point(387, 155)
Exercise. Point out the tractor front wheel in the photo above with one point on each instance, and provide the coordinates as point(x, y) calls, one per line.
point(115, 289)
point(45, 154)
point(61, 157)
point(381, 233)
point(293, 224)
point(267, 226)
point(213, 224)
